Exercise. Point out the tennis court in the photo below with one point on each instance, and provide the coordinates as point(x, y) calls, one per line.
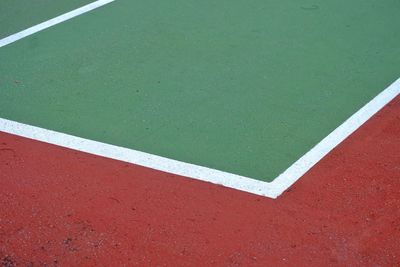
point(228, 103)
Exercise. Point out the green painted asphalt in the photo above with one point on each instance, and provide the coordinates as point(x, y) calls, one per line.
point(17, 15)
point(241, 86)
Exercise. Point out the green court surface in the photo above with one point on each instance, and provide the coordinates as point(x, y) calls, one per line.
point(241, 86)
point(17, 15)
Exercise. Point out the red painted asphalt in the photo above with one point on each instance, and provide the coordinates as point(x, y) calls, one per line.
point(62, 207)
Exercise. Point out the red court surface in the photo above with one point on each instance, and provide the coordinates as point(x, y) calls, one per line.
point(66, 208)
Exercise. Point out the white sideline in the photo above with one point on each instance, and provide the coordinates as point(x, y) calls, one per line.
point(272, 189)
point(312, 157)
point(47, 24)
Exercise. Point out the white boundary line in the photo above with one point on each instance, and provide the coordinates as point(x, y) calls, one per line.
point(47, 24)
point(272, 189)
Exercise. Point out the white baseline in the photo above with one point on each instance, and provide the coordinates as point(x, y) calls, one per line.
point(47, 24)
point(272, 189)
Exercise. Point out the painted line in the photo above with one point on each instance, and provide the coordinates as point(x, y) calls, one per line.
point(47, 24)
point(312, 157)
point(272, 189)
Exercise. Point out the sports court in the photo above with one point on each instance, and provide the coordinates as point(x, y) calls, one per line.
point(199, 133)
